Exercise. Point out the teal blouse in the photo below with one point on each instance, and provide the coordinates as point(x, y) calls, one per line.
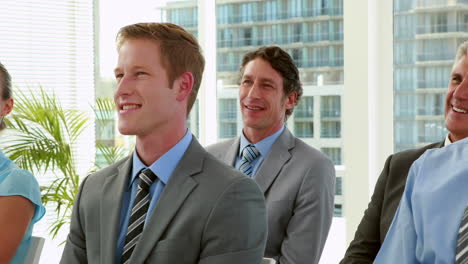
point(15, 181)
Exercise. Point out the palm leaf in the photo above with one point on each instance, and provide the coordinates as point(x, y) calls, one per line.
point(111, 154)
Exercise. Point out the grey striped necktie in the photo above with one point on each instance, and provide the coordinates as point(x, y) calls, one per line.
point(138, 214)
point(249, 154)
point(462, 243)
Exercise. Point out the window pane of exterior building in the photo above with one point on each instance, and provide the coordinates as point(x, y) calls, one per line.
point(227, 111)
point(338, 212)
point(339, 186)
point(331, 129)
point(334, 154)
point(426, 36)
point(330, 111)
point(304, 118)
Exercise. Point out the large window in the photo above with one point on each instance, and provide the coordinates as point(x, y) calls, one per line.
point(427, 34)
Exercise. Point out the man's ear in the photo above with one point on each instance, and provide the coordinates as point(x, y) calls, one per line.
point(290, 101)
point(7, 107)
point(184, 84)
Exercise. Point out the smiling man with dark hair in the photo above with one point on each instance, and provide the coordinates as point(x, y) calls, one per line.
point(297, 180)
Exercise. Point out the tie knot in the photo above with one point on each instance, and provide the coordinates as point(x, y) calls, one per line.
point(147, 177)
point(250, 153)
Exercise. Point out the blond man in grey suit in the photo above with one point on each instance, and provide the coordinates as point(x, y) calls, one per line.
point(170, 201)
point(297, 180)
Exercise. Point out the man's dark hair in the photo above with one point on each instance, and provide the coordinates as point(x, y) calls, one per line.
point(283, 64)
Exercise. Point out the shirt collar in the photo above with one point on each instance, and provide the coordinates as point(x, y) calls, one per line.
point(165, 165)
point(447, 141)
point(264, 145)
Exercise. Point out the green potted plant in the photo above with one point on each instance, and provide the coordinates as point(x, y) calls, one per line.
point(42, 143)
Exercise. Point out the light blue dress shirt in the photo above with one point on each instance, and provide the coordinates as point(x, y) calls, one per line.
point(263, 146)
point(425, 226)
point(163, 168)
point(14, 181)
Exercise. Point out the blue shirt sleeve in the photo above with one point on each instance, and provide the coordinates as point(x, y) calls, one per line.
point(14, 181)
point(425, 227)
point(401, 239)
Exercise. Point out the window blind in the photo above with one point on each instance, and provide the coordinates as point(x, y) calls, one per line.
point(50, 43)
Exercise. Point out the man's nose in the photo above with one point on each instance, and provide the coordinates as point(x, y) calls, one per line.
point(254, 91)
point(123, 87)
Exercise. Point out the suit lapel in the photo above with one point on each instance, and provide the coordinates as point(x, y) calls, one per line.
point(179, 187)
point(275, 160)
point(111, 202)
point(232, 152)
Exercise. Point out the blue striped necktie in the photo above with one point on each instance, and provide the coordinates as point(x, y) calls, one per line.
point(462, 243)
point(138, 214)
point(249, 154)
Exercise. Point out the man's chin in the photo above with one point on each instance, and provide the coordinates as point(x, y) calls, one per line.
point(254, 125)
point(127, 131)
point(457, 130)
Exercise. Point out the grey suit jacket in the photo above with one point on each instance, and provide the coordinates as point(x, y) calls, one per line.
point(208, 213)
point(378, 217)
point(298, 182)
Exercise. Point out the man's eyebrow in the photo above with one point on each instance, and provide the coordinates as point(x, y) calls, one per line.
point(456, 74)
point(262, 79)
point(137, 67)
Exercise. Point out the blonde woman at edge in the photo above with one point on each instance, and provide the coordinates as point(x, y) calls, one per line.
point(20, 198)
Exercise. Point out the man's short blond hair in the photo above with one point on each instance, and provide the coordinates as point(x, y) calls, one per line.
point(180, 51)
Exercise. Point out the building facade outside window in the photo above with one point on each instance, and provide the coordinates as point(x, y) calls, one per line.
point(426, 36)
